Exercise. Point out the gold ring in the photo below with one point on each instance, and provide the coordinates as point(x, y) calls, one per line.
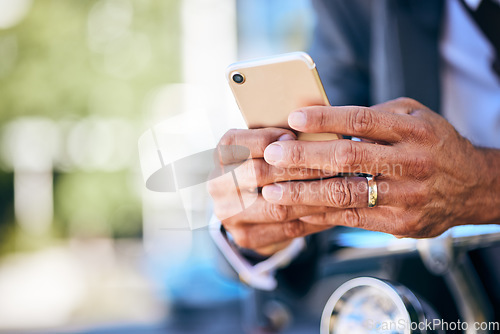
point(372, 191)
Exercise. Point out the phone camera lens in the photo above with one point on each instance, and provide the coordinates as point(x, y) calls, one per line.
point(238, 78)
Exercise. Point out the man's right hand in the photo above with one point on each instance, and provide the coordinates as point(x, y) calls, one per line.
point(262, 226)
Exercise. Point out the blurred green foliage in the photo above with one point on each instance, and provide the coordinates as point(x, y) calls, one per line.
point(55, 70)
point(115, 211)
point(80, 58)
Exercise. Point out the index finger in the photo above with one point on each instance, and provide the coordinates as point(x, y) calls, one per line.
point(254, 236)
point(238, 145)
point(355, 121)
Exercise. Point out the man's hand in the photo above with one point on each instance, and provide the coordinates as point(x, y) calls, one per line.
point(429, 177)
point(262, 226)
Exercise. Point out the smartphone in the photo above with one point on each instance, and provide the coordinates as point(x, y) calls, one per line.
point(268, 89)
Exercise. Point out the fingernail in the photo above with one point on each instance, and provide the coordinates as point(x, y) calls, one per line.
point(273, 153)
point(297, 119)
point(272, 192)
point(286, 136)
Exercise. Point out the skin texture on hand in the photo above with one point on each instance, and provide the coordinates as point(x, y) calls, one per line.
point(264, 227)
point(429, 177)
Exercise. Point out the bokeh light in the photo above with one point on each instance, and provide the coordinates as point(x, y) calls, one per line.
point(83, 243)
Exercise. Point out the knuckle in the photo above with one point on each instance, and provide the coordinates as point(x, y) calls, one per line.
point(406, 100)
point(423, 131)
point(229, 138)
point(346, 154)
point(296, 191)
point(297, 154)
point(293, 229)
point(264, 137)
point(353, 218)
point(339, 193)
point(412, 103)
point(277, 212)
point(323, 119)
point(361, 120)
point(227, 147)
point(258, 169)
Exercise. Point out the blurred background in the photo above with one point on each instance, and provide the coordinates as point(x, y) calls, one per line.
point(84, 246)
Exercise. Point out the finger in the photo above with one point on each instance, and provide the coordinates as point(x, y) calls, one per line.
point(262, 211)
point(271, 249)
point(340, 192)
point(381, 219)
point(238, 145)
point(255, 173)
point(258, 173)
point(345, 192)
point(336, 156)
point(355, 121)
point(261, 235)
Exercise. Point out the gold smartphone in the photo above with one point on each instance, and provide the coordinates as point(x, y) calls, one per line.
point(267, 90)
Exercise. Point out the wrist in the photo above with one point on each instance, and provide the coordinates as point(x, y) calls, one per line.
point(487, 197)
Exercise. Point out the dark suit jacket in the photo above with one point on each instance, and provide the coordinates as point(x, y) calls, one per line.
point(371, 51)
